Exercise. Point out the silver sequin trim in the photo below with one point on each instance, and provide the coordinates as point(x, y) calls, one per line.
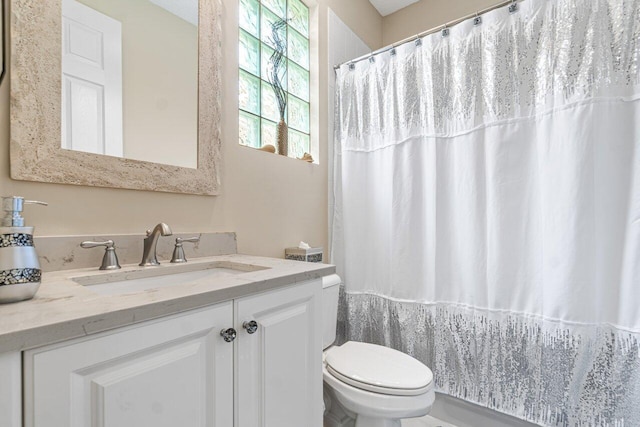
point(556, 53)
point(544, 372)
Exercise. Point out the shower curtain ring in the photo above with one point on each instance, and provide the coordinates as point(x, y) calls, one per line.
point(513, 7)
point(445, 31)
point(371, 59)
point(477, 20)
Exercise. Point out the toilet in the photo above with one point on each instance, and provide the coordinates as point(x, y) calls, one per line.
point(367, 385)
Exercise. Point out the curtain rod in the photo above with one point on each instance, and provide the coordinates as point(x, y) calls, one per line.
point(512, 8)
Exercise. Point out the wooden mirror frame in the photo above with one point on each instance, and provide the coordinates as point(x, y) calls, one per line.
point(36, 89)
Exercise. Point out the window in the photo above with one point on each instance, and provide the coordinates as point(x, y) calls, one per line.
point(259, 113)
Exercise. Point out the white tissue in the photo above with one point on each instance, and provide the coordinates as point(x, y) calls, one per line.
point(304, 245)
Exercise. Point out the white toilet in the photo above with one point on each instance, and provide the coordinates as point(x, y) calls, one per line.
point(375, 386)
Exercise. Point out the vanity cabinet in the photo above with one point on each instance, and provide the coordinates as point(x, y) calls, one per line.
point(166, 373)
point(180, 371)
point(279, 367)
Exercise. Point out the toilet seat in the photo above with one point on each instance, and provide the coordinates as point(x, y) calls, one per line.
point(377, 389)
point(378, 369)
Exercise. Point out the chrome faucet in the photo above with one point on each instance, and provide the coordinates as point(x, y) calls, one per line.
point(149, 256)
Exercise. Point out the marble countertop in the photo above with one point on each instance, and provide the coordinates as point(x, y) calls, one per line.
point(64, 309)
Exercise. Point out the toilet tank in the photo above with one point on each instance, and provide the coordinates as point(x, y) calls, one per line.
point(330, 296)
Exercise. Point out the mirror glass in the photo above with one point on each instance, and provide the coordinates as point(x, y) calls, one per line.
point(130, 79)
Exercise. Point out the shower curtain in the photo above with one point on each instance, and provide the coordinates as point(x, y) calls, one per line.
point(487, 209)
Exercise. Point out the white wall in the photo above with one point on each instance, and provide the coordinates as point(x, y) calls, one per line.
point(344, 45)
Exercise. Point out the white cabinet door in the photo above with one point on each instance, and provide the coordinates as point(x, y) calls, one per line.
point(11, 389)
point(279, 367)
point(173, 372)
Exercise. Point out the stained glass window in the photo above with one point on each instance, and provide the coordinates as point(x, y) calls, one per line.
point(259, 113)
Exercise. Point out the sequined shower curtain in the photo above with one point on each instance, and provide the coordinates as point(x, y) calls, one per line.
point(487, 209)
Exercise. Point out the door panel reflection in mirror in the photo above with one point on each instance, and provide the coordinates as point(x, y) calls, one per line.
point(92, 81)
point(130, 79)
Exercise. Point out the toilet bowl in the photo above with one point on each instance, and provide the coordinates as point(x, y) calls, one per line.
point(377, 386)
point(374, 385)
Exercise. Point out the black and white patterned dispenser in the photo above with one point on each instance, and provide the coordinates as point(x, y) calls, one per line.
point(20, 272)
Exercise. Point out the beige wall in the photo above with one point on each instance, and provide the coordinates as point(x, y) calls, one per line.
point(427, 14)
point(270, 201)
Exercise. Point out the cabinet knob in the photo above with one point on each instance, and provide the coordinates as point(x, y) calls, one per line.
point(251, 326)
point(228, 334)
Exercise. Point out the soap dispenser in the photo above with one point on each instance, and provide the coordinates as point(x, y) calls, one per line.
point(20, 272)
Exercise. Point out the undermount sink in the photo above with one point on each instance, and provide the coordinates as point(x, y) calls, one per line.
point(149, 278)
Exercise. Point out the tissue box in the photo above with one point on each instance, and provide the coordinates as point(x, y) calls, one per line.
point(308, 255)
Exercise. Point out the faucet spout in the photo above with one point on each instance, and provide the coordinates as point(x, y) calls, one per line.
point(149, 256)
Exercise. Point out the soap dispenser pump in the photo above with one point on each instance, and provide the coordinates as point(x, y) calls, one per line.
point(20, 272)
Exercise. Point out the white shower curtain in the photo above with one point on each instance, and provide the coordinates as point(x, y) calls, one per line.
point(487, 209)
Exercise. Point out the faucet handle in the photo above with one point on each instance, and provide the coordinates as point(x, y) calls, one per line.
point(178, 251)
point(89, 244)
point(189, 240)
point(110, 258)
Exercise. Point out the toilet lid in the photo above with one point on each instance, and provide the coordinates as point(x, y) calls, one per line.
point(379, 369)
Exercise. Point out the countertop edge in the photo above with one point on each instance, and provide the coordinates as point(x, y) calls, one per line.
point(57, 332)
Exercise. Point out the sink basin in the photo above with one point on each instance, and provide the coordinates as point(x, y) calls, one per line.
point(149, 278)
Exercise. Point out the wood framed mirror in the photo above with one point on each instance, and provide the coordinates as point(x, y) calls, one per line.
point(37, 87)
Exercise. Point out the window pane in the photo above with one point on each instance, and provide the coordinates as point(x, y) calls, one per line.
point(266, 66)
point(249, 130)
point(266, 30)
point(250, 17)
point(298, 81)
point(298, 114)
point(299, 16)
point(266, 54)
point(298, 144)
point(298, 49)
point(259, 109)
point(269, 103)
point(249, 55)
point(269, 133)
point(276, 6)
point(249, 93)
